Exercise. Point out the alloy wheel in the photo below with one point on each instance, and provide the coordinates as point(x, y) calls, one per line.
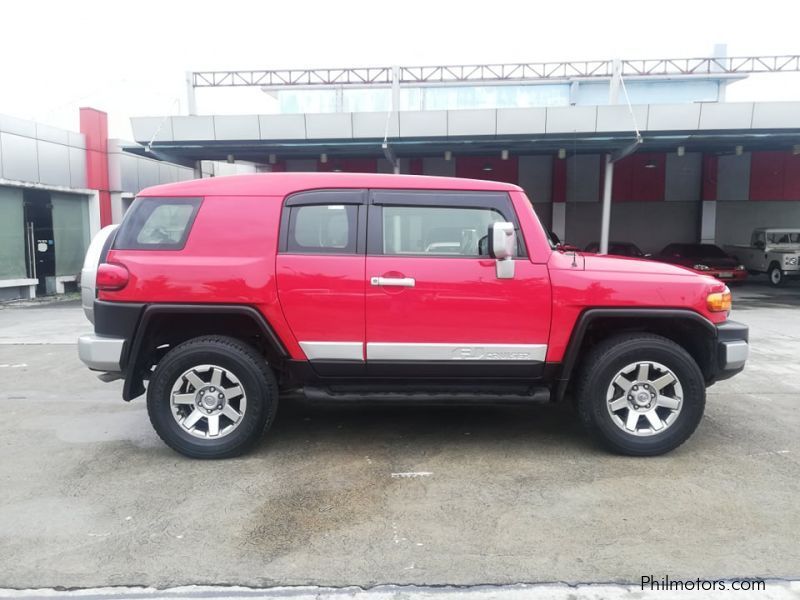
point(208, 401)
point(644, 398)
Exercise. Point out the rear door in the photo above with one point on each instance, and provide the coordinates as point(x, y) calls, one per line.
point(434, 305)
point(320, 277)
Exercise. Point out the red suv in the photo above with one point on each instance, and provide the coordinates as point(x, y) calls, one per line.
point(224, 293)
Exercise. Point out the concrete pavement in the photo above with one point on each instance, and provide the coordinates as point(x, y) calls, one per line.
point(90, 497)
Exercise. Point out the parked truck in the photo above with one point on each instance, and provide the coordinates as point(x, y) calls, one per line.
point(219, 296)
point(772, 250)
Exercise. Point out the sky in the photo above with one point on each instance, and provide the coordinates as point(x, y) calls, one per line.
point(129, 57)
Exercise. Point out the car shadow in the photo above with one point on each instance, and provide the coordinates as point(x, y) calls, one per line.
point(539, 426)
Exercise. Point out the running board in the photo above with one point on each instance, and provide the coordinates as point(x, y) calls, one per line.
point(531, 395)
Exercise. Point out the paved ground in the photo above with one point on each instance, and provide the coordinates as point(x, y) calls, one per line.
point(90, 497)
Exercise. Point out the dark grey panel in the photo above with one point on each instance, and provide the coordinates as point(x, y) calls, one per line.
point(129, 173)
point(535, 177)
point(736, 220)
point(148, 173)
point(439, 166)
point(544, 210)
point(53, 163)
point(684, 177)
point(583, 178)
point(77, 167)
point(19, 158)
point(733, 177)
point(650, 225)
point(301, 165)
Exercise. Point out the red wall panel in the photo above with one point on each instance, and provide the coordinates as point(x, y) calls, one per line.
point(501, 170)
point(767, 174)
point(94, 126)
point(791, 186)
point(639, 177)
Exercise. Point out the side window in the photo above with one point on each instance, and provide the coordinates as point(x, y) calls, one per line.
point(157, 224)
point(445, 223)
point(435, 231)
point(323, 228)
point(324, 222)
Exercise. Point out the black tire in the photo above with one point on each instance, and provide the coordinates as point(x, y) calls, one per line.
point(255, 378)
point(776, 277)
point(602, 364)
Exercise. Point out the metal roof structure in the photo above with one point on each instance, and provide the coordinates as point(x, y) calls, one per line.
point(498, 73)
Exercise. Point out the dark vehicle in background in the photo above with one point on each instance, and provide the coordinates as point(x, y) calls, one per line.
point(704, 258)
point(618, 249)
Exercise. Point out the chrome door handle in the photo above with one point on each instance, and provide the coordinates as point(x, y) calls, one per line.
point(393, 281)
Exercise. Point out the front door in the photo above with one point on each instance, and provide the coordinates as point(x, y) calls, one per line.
point(41, 251)
point(434, 304)
point(320, 277)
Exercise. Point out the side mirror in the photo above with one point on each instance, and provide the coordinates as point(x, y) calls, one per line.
point(502, 245)
point(759, 244)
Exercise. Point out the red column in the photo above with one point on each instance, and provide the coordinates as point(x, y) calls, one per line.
point(94, 126)
point(559, 182)
point(709, 177)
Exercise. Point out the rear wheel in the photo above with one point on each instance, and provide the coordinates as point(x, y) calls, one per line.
point(640, 394)
point(776, 278)
point(212, 397)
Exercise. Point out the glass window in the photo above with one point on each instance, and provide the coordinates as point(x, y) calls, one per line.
point(70, 231)
point(12, 234)
point(435, 231)
point(323, 228)
point(157, 224)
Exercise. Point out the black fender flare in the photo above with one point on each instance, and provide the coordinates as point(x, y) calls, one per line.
point(588, 316)
point(134, 380)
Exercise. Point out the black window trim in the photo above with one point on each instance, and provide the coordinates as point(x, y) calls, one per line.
point(343, 196)
point(121, 234)
point(492, 200)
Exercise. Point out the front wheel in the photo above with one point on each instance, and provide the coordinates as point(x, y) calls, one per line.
point(640, 394)
point(211, 397)
point(776, 277)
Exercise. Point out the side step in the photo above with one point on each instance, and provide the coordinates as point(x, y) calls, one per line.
point(428, 397)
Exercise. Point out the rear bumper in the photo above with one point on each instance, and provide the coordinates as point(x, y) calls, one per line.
point(101, 353)
point(733, 348)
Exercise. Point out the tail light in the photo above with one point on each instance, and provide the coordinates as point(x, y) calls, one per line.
point(719, 301)
point(111, 277)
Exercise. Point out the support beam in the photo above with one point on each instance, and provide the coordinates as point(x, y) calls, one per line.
point(605, 222)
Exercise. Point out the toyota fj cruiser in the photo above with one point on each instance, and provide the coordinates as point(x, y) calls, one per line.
point(223, 293)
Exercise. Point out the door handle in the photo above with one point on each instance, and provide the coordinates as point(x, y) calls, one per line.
point(393, 281)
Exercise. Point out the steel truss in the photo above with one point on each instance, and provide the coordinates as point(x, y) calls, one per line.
point(496, 73)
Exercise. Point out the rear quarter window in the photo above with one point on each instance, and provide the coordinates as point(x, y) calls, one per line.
point(157, 224)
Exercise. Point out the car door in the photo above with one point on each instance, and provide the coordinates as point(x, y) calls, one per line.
point(320, 277)
point(434, 304)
